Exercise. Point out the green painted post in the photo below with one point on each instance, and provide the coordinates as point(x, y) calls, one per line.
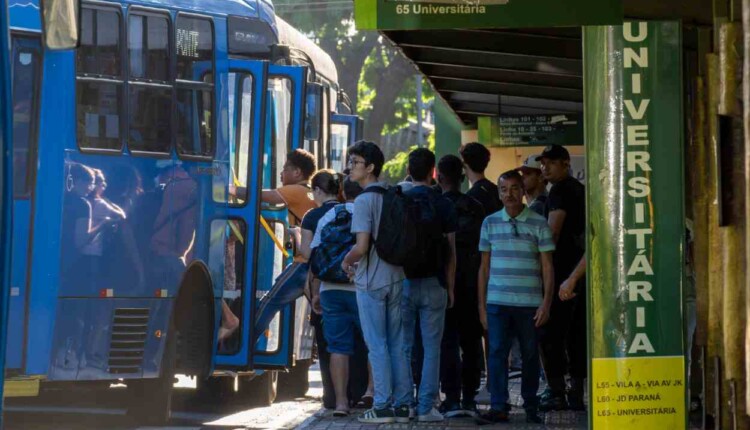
point(633, 129)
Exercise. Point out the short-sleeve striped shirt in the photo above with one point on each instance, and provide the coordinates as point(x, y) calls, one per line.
point(515, 267)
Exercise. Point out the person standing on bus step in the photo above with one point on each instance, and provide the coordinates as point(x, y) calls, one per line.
point(295, 193)
point(336, 296)
point(326, 188)
point(423, 295)
point(379, 285)
point(463, 331)
point(563, 340)
point(476, 157)
point(515, 289)
point(534, 184)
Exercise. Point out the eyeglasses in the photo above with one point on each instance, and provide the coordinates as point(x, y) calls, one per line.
point(512, 222)
point(352, 162)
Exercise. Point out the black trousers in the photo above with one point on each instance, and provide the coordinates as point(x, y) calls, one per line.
point(461, 354)
point(563, 339)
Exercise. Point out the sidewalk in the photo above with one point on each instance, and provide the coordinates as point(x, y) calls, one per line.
point(565, 420)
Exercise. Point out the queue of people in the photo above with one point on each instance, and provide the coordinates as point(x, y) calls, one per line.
point(423, 269)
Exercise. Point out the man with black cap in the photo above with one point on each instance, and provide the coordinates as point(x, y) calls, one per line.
point(563, 339)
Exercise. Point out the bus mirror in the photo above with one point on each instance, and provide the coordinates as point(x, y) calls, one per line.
point(313, 111)
point(60, 20)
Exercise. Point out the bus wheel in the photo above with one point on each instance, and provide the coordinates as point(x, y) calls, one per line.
point(217, 390)
point(258, 391)
point(150, 400)
point(295, 383)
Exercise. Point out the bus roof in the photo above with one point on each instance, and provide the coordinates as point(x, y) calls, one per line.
point(323, 62)
point(25, 13)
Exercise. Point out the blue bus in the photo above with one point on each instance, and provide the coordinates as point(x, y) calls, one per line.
point(134, 255)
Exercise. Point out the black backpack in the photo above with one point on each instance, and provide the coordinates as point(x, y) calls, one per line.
point(397, 240)
point(336, 240)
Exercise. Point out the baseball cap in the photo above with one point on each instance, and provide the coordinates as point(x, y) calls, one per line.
point(531, 163)
point(554, 152)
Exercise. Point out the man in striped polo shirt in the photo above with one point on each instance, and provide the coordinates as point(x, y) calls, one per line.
point(516, 283)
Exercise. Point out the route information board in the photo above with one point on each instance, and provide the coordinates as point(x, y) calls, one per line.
point(448, 14)
point(531, 130)
point(636, 225)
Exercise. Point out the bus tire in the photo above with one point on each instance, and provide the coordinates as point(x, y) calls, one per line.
point(150, 400)
point(259, 391)
point(295, 383)
point(216, 389)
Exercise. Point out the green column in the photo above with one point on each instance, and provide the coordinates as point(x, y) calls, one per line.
point(447, 130)
point(633, 126)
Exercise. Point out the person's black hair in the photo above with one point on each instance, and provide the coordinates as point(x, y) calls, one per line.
point(451, 169)
point(421, 162)
point(510, 174)
point(328, 181)
point(302, 160)
point(351, 189)
point(370, 152)
point(476, 156)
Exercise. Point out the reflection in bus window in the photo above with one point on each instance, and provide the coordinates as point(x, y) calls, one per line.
point(280, 93)
point(99, 85)
point(240, 136)
point(150, 118)
point(194, 86)
point(339, 142)
point(227, 250)
point(25, 76)
point(148, 47)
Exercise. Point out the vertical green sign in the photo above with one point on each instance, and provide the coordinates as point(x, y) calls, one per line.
point(633, 130)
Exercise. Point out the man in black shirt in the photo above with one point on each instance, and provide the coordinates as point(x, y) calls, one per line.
point(476, 157)
point(563, 340)
point(461, 373)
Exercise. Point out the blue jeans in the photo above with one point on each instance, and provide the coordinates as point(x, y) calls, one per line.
point(505, 323)
point(287, 288)
point(427, 299)
point(380, 317)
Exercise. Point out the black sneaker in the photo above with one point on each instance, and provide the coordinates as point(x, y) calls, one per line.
point(552, 401)
point(493, 416)
point(377, 416)
point(575, 401)
point(532, 417)
point(401, 414)
point(470, 408)
point(451, 409)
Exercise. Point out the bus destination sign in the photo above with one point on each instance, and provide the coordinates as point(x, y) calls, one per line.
point(531, 130)
point(448, 14)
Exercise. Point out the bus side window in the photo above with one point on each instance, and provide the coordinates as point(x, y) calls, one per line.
point(280, 92)
point(240, 135)
point(99, 80)
point(194, 86)
point(150, 88)
point(25, 86)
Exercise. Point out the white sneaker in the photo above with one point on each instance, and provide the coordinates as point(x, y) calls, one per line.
point(432, 416)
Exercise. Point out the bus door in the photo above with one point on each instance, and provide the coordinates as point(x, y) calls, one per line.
point(25, 65)
point(345, 130)
point(238, 240)
point(283, 132)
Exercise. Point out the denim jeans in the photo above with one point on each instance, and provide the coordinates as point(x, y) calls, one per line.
point(505, 323)
point(380, 317)
point(426, 299)
point(287, 288)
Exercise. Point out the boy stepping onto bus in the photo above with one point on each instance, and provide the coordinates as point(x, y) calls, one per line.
point(379, 285)
point(295, 193)
point(516, 284)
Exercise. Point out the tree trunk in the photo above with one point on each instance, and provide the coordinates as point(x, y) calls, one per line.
point(389, 86)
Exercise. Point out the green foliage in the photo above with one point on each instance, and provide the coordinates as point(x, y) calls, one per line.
point(394, 170)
